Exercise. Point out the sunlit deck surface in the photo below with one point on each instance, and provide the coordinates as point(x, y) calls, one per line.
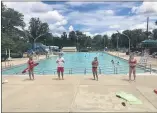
point(77, 93)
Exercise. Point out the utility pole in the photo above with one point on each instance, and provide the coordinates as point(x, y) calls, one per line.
point(9, 58)
point(6, 52)
point(147, 26)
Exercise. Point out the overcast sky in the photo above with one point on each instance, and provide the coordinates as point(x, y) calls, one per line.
point(89, 17)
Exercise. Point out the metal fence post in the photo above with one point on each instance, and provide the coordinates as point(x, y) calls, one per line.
point(145, 68)
point(43, 73)
point(85, 71)
point(99, 70)
point(150, 68)
point(114, 69)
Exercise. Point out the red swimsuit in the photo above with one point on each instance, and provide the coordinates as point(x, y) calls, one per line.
point(94, 68)
point(31, 64)
point(132, 62)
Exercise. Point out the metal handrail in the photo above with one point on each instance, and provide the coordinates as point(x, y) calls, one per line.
point(102, 69)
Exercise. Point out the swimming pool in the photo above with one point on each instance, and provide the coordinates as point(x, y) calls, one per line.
point(78, 63)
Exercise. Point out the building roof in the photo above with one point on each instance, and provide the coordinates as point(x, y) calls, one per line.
point(149, 41)
point(69, 48)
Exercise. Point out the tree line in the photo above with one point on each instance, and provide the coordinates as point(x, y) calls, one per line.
point(20, 40)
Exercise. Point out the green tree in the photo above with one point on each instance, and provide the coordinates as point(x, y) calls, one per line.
point(11, 35)
point(89, 41)
point(57, 41)
point(155, 34)
point(97, 42)
point(73, 37)
point(114, 40)
point(46, 40)
point(7, 42)
point(137, 36)
point(37, 31)
point(105, 41)
point(64, 39)
point(79, 36)
point(64, 36)
point(11, 19)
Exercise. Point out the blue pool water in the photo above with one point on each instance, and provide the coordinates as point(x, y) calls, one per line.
point(77, 63)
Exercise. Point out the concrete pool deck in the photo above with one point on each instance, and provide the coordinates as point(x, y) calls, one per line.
point(77, 94)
